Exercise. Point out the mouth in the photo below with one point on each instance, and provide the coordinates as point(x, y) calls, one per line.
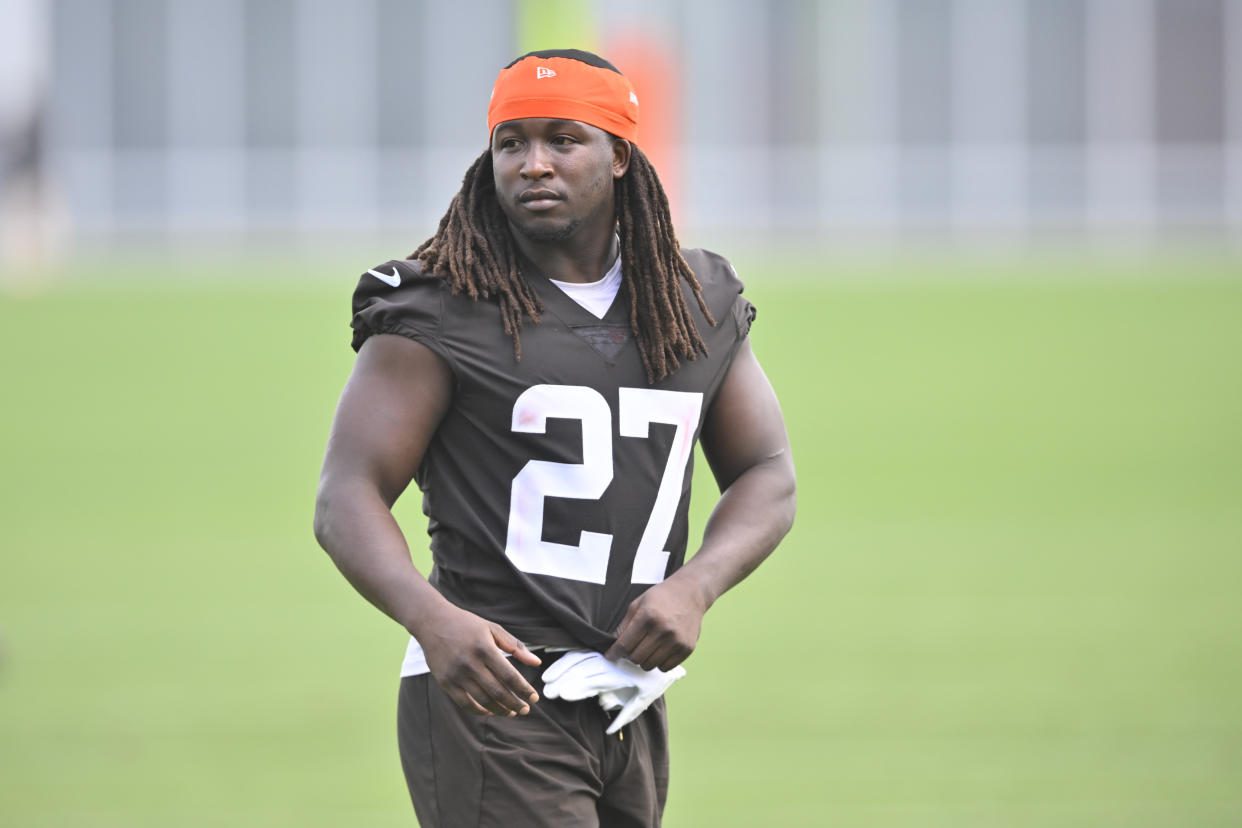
point(539, 199)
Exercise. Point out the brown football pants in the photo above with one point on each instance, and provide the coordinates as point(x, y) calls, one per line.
point(552, 767)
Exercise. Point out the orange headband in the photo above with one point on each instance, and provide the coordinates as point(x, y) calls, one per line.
point(559, 87)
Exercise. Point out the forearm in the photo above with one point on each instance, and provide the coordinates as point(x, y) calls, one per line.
point(752, 516)
point(465, 653)
point(356, 528)
point(661, 627)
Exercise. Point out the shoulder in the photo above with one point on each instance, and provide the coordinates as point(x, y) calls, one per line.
point(396, 297)
point(722, 287)
point(394, 280)
point(712, 268)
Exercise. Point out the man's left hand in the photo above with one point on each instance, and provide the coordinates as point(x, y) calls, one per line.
point(660, 628)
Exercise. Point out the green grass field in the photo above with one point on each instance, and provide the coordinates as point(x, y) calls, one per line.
point(1013, 596)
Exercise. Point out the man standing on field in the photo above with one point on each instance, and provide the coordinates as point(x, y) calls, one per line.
point(542, 367)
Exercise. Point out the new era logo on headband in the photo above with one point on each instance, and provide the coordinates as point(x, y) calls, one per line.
point(542, 72)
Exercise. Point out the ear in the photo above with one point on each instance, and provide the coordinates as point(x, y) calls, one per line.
point(620, 157)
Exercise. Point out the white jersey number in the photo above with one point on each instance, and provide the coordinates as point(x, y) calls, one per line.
point(539, 479)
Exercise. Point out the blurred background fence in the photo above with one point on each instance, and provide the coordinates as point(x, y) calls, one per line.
point(128, 121)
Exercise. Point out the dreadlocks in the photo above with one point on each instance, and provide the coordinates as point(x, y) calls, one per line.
point(473, 251)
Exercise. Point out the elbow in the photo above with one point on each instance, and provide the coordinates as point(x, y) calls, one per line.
point(789, 497)
point(791, 506)
point(323, 522)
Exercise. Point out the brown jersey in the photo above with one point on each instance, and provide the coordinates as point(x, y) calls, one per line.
point(556, 487)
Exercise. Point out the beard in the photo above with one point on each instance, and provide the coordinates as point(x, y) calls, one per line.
point(546, 234)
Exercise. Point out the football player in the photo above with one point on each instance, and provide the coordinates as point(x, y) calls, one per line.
point(542, 367)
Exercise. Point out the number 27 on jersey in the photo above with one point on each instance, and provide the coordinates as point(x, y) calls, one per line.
point(539, 479)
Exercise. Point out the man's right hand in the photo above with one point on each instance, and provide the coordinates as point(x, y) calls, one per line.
point(466, 655)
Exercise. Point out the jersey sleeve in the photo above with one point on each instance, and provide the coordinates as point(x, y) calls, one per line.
point(722, 290)
point(743, 311)
point(397, 298)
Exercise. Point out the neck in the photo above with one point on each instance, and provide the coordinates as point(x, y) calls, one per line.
point(584, 257)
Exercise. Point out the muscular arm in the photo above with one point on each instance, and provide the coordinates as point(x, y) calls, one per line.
point(745, 443)
point(395, 398)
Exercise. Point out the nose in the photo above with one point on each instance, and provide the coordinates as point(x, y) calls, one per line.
point(536, 164)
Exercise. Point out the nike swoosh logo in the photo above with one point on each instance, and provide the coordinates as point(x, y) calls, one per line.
point(394, 280)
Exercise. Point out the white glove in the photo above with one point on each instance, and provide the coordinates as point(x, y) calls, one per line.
point(580, 674)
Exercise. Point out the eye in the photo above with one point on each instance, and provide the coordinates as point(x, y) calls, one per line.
point(507, 143)
point(564, 140)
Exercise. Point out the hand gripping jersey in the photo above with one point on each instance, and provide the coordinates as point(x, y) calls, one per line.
point(556, 488)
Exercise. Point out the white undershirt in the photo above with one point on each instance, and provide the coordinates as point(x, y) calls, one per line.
point(597, 297)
